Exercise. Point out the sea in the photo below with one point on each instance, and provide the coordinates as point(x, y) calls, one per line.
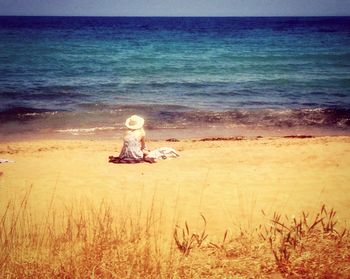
point(83, 76)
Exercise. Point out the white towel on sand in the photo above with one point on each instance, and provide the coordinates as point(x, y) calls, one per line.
point(163, 153)
point(6, 161)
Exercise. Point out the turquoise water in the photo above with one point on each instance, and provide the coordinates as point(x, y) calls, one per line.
point(179, 72)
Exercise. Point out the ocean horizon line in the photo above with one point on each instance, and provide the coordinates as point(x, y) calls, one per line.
point(184, 16)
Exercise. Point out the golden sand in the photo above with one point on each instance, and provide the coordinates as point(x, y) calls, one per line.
point(229, 182)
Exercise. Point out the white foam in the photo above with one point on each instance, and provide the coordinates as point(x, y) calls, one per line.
point(79, 131)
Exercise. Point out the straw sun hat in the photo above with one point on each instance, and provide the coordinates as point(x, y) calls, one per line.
point(134, 122)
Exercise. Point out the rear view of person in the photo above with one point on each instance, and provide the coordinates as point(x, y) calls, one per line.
point(134, 147)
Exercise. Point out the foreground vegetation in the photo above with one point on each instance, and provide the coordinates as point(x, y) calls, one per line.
point(99, 241)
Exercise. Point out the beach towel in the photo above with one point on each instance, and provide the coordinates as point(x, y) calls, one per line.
point(159, 153)
point(2, 161)
point(163, 153)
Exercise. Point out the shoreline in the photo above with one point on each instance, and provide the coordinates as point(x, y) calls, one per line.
point(178, 134)
point(169, 121)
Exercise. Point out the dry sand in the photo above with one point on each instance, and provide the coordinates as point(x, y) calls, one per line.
point(230, 182)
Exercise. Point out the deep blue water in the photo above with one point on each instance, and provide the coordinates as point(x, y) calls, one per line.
point(171, 68)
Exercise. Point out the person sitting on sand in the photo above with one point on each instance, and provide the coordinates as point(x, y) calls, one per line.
point(134, 147)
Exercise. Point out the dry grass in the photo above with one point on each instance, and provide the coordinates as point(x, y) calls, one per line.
point(99, 241)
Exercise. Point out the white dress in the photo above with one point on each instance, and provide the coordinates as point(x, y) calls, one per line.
point(131, 151)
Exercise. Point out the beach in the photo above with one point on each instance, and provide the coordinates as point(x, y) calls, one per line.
point(257, 107)
point(229, 181)
point(65, 194)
